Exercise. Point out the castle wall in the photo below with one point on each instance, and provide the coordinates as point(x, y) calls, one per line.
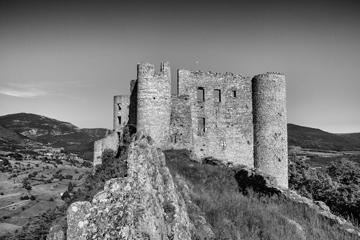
point(154, 102)
point(180, 123)
point(222, 127)
point(111, 142)
point(121, 112)
point(270, 136)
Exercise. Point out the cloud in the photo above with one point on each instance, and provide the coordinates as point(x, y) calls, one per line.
point(26, 90)
point(22, 94)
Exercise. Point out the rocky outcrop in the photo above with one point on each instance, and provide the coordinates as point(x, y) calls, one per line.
point(143, 205)
point(266, 184)
point(56, 233)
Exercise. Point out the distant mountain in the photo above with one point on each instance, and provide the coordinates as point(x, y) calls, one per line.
point(15, 127)
point(51, 131)
point(307, 137)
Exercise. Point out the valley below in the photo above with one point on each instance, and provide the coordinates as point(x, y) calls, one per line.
point(30, 187)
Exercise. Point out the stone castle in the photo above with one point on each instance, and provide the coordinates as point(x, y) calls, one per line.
point(235, 119)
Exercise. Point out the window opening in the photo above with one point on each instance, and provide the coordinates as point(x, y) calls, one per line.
point(201, 126)
point(234, 93)
point(217, 95)
point(119, 106)
point(201, 94)
point(119, 118)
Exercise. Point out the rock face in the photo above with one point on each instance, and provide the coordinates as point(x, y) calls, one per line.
point(56, 233)
point(143, 205)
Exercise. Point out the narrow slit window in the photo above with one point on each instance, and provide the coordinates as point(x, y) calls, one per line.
point(119, 106)
point(217, 95)
point(234, 93)
point(201, 126)
point(119, 118)
point(201, 94)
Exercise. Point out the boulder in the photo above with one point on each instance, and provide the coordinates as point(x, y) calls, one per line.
point(56, 233)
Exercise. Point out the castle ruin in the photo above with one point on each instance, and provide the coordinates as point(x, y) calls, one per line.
point(238, 120)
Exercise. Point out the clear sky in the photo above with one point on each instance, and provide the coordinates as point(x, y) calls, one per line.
point(67, 59)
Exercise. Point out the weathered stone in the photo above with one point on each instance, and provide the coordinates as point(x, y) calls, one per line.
point(76, 219)
point(154, 102)
point(111, 142)
point(56, 233)
point(143, 205)
point(221, 115)
point(212, 115)
point(121, 112)
point(270, 126)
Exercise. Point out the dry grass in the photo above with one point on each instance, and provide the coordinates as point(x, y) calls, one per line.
point(235, 216)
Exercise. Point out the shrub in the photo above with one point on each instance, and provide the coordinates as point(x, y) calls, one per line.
point(32, 198)
point(26, 197)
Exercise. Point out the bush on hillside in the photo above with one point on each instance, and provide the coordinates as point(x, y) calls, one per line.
point(338, 185)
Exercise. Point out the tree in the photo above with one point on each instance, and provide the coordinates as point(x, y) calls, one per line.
point(26, 184)
point(70, 186)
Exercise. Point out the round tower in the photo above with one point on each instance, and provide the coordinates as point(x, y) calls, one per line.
point(270, 126)
point(154, 102)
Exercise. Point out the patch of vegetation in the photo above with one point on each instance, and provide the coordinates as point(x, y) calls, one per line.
point(233, 215)
point(338, 184)
point(39, 226)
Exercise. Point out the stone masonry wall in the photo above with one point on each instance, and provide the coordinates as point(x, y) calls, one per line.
point(270, 136)
point(111, 141)
point(121, 112)
point(180, 123)
point(222, 127)
point(154, 102)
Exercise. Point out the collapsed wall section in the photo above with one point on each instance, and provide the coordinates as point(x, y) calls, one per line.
point(221, 115)
point(270, 126)
point(154, 102)
point(180, 123)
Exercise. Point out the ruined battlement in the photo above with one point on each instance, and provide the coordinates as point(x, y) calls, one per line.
point(207, 74)
point(147, 70)
point(238, 120)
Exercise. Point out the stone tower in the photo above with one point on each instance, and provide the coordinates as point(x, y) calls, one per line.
point(121, 111)
point(154, 102)
point(270, 126)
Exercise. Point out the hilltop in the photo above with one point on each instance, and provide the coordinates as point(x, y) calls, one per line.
point(314, 138)
point(48, 131)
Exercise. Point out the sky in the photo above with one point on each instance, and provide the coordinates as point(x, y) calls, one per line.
point(67, 59)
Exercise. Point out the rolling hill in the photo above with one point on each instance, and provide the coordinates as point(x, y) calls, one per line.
point(51, 131)
point(15, 127)
point(307, 137)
